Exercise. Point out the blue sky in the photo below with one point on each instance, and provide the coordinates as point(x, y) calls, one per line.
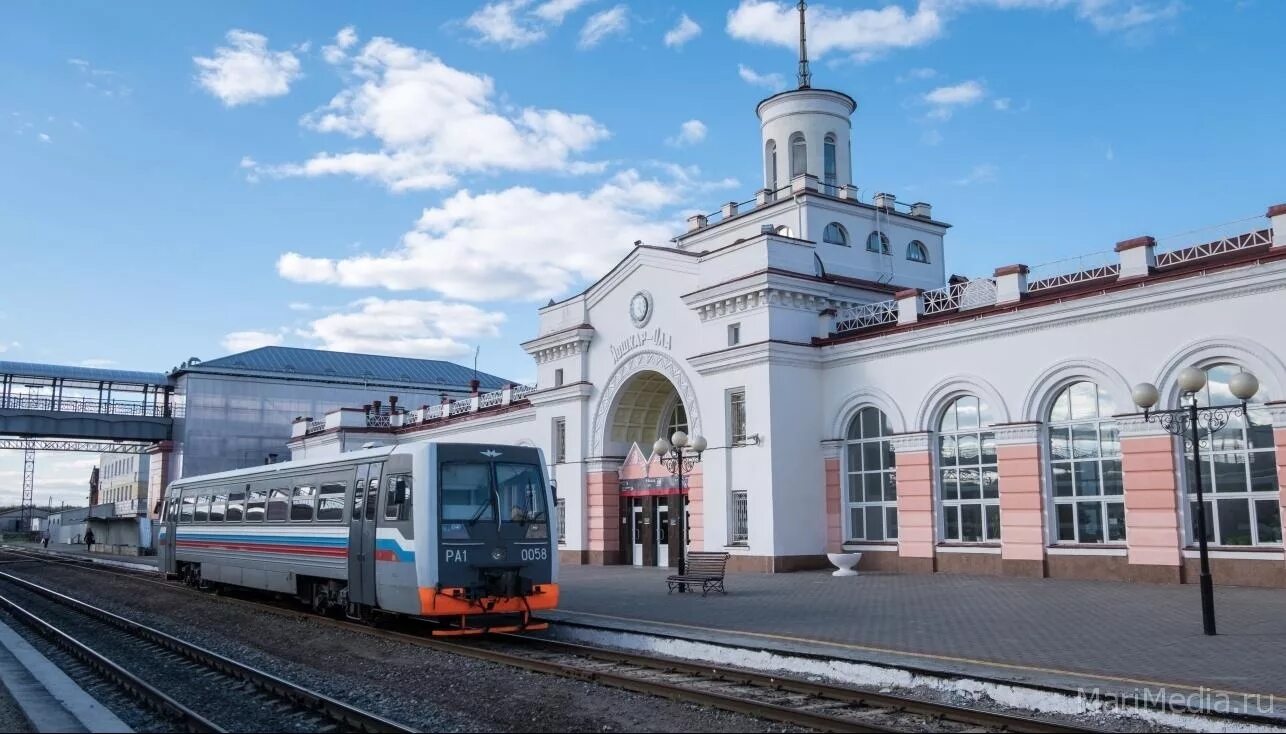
point(414, 178)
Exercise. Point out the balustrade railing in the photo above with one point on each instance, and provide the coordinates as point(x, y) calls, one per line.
point(1218, 247)
point(491, 399)
point(316, 426)
point(960, 296)
point(867, 315)
point(522, 391)
point(458, 407)
point(89, 405)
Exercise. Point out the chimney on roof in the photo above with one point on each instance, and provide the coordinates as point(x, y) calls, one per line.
point(473, 386)
point(392, 403)
point(885, 201)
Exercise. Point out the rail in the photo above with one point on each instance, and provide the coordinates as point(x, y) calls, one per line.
point(867, 315)
point(133, 408)
point(348, 717)
point(1218, 247)
point(960, 296)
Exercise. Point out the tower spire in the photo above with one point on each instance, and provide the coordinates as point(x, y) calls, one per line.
point(805, 76)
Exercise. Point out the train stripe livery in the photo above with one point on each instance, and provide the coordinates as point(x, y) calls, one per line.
point(460, 533)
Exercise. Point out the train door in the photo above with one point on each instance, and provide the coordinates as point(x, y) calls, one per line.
point(167, 534)
point(361, 535)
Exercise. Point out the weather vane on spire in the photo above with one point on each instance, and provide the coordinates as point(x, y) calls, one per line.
point(805, 77)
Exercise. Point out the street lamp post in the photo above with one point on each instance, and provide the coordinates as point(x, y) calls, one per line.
point(1187, 423)
point(679, 463)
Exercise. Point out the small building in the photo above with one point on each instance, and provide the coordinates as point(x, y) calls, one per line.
point(11, 520)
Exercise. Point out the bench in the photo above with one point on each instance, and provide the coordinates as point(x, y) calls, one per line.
point(704, 568)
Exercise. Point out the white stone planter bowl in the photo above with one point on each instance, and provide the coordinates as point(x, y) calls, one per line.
point(845, 562)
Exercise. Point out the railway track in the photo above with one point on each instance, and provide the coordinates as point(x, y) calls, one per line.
point(198, 689)
point(790, 701)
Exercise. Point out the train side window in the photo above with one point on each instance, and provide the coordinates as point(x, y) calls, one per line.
point(218, 506)
point(397, 497)
point(236, 505)
point(185, 513)
point(301, 505)
point(330, 502)
point(278, 501)
point(202, 512)
point(254, 505)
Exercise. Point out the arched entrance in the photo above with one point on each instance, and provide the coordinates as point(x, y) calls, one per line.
point(648, 396)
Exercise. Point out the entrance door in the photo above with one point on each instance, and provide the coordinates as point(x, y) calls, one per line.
point(637, 531)
point(361, 535)
point(662, 534)
point(169, 529)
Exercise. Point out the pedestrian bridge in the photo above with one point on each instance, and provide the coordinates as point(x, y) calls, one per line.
point(63, 403)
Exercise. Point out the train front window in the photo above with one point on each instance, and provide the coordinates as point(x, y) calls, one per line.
point(466, 497)
point(522, 497)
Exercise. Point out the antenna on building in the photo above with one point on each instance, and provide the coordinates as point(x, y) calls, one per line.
point(476, 350)
point(805, 76)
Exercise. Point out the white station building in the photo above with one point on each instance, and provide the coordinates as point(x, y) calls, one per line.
point(855, 397)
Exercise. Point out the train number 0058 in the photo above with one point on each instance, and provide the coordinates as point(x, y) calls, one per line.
point(535, 554)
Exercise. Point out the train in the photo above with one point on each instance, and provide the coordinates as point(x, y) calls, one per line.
point(458, 533)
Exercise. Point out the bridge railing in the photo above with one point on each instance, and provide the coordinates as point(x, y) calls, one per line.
point(89, 405)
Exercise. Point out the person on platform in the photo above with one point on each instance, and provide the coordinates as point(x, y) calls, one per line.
point(89, 541)
point(44, 538)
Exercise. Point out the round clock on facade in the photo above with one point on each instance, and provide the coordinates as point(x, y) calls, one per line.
point(641, 308)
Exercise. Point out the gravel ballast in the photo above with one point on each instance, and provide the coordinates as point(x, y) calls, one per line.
point(413, 685)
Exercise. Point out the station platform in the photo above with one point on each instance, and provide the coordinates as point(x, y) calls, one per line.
point(1114, 641)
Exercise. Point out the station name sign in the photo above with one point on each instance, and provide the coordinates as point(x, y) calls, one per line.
point(639, 339)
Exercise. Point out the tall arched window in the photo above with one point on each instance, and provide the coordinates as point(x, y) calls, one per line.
point(678, 420)
point(871, 490)
point(916, 252)
point(1242, 497)
point(967, 479)
point(834, 234)
point(829, 172)
point(1085, 465)
point(770, 162)
point(798, 155)
point(877, 242)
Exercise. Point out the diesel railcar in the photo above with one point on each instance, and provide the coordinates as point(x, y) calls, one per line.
point(459, 533)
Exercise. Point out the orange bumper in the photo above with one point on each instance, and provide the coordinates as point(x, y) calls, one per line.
point(454, 603)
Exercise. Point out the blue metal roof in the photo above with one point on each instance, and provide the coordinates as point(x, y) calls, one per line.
point(82, 374)
point(304, 363)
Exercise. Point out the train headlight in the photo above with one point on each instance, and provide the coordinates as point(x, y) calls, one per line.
point(497, 554)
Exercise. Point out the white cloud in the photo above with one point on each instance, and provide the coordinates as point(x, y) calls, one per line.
point(244, 341)
point(408, 328)
point(433, 121)
point(345, 39)
point(516, 23)
point(866, 33)
point(685, 30)
point(945, 100)
point(931, 137)
point(104, 81)
point(44, 138)
point(773, 81)
point(612, 22)
point(246, 71)
point(690, 133)
point(981, 173)
point(518, 243)
point(920, 73)
point(861, 33)
point(60, 477)
point(298, 306)
point(1003, 104)
point(97, 362)
point(555, 11)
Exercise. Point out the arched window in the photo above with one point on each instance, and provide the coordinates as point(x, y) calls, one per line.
point(1085, 465)
point(877, 242)
point(834, 234)
point(916, 252)
point(967, 479)
point(1239, 472)
point(829, 171)
point(678, 420)
point(871, 491)
point(798, 155)
point(770, 163)
point(783, 230)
